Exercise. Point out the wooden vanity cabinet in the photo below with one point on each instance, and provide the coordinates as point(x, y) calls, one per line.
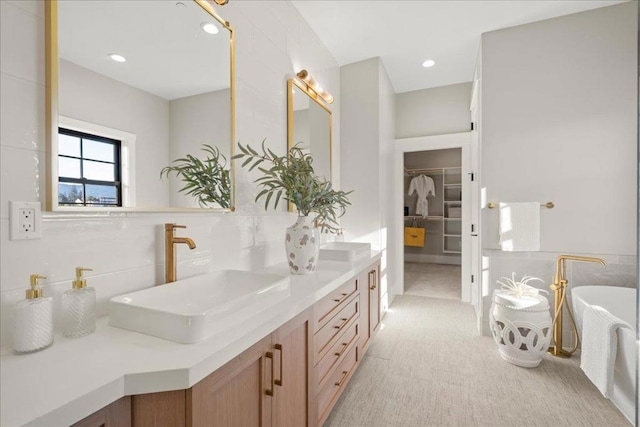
point(266, 385)
point(117, 414)
point(335, 345)
point(292, 377)
point(370, 302)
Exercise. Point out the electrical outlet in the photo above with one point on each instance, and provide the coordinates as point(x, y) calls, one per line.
point(26, 220)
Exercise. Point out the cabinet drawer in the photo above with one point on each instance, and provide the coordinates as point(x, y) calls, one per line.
point(326, 308)
point(335, 384)
point(325, 337)
point(337, 352)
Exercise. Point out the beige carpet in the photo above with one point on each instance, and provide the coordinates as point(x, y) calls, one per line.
point(432, 280)
point(427, 367)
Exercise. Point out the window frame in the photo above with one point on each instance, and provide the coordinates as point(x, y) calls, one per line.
point(117, 165)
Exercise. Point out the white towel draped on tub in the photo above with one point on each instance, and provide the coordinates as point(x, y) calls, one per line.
point(599, 346)
point(520, 226)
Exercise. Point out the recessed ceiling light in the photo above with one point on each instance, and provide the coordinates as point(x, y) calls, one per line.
point(209, 27)
point(118, 58)
point(428, 63)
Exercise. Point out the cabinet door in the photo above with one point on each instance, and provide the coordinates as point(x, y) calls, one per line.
point(374, 298)
point(238, 394)
point(117, 414)
point(292, 372)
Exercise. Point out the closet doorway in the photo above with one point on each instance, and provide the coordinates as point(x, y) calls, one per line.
point(433, 223)
point(446, 245)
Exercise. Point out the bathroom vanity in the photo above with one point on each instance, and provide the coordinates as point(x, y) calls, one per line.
point(285, 366)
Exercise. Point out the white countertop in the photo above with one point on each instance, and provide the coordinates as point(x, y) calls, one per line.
point(76, 377)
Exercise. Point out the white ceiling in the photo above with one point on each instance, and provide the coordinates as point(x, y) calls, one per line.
point(406, 33)
point(167, 52)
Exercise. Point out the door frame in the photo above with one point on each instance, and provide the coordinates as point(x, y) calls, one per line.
point(428, 143)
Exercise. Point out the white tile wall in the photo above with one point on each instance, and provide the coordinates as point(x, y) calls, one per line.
point(619, 271)
point(126, 251)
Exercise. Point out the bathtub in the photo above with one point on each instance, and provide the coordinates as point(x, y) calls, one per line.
point(621, 302)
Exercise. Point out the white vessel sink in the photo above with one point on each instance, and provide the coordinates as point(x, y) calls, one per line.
point(344, 251)
point(190, 310)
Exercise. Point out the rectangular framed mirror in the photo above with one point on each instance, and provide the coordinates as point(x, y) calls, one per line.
point(309, 124)
point(132, 86)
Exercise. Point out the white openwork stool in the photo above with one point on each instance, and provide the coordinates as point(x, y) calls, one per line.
point(521, 327)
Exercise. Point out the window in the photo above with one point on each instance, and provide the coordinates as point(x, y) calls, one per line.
point(89, 172)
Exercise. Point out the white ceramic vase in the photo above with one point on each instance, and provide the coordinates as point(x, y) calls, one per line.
point(302, 243)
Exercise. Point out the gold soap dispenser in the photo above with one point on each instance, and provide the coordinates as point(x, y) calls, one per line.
point(33, 324)
point(79, 307)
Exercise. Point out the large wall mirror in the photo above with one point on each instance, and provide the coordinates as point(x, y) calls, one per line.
point(309, 126)
point(132, 87)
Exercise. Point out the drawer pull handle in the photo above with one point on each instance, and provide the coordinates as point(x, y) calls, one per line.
point(373, 281)
point(344, 322)
point(270, 356)
point(344, 375)
point(344, 347)
point(339, 300)
point(279, 348)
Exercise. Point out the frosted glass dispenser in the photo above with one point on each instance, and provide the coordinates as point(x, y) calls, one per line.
point(33, 326)
point(79, 307)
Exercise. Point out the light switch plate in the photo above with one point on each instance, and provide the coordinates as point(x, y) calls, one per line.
point(25, 220)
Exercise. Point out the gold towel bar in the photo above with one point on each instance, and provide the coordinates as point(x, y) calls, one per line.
point(549, 205)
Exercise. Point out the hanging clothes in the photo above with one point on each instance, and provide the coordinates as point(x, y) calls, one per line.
point(423, 185)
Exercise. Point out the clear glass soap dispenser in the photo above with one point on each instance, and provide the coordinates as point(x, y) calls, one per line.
point(79, 307)
point(33, 326)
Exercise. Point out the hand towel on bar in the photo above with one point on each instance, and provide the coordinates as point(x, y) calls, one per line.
point(599, 346)
point(520, 226)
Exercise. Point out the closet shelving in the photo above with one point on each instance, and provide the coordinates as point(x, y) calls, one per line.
point(452, 232)
point(451, 217)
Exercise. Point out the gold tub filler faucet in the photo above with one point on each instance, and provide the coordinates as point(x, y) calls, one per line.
point(170, 241)
point(559, 288)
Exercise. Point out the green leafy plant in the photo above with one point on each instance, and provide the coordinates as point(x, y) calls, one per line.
point(291, 178)
point(207, 180)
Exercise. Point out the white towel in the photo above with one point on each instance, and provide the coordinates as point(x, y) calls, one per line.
point(520, 226)
point(599, 346)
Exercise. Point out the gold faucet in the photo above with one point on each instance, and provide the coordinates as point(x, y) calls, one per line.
point(170, 240)
point(559, 288)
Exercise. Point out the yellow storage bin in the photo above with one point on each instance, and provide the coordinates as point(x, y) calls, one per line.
point(414, 236)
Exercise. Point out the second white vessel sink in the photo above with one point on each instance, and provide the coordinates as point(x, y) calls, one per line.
point(344, 251)
point(190, 310)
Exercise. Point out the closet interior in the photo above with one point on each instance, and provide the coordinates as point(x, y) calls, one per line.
point(433, 222)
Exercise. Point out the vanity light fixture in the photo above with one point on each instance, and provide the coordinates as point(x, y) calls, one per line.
point(209, 28)
point(428, 63)
point(314, 87)
point(117, 57)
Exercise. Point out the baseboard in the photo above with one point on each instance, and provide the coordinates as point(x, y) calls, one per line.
point(433, 259)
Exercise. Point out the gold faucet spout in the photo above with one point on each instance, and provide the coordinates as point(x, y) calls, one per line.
point(187, 241)
point(170, 240)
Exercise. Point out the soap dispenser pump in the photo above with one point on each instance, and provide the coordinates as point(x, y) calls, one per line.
point(33, 326)
point(79, 307)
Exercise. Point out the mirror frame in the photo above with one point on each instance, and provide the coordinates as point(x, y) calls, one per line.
point(291, 84)
point(313, 96)
point(51, 120)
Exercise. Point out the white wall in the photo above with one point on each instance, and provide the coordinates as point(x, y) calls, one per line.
point(559, 119)
point(368, 124)
point(126, 250)
point(194, 121)
point(559, 123)
point(91, 97)
point(434, 111)
point(386, 182)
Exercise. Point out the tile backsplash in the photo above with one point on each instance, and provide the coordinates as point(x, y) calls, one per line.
point(620, 270)
point(126, 250)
